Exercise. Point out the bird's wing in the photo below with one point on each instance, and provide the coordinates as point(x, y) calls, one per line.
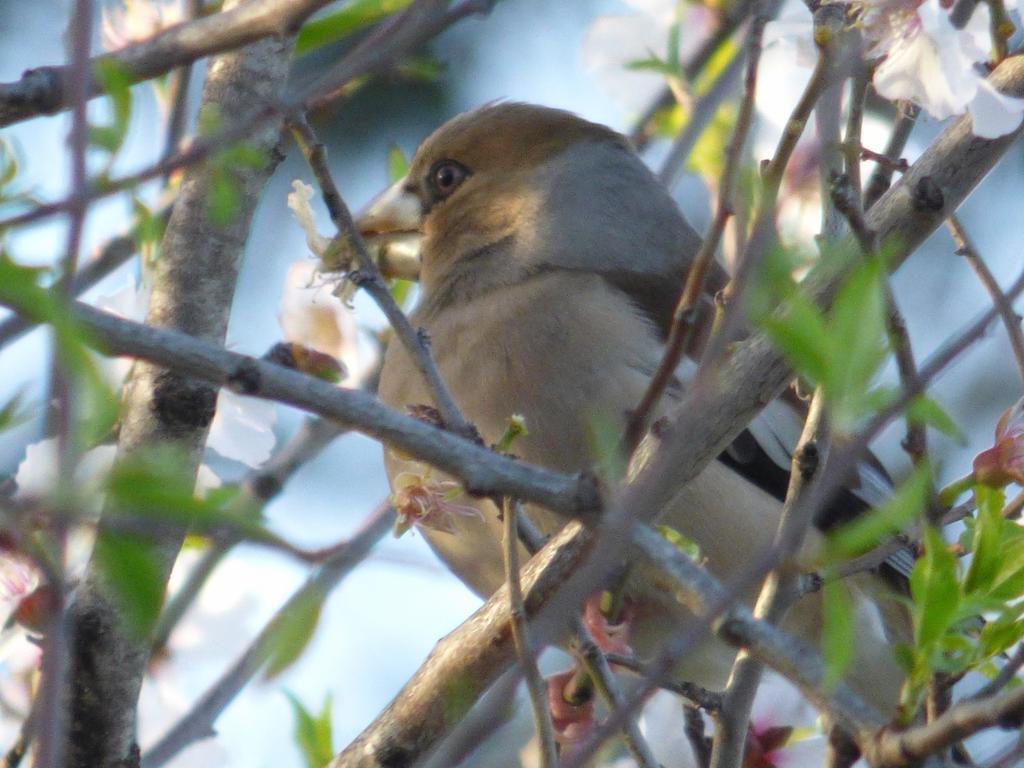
point(762, 453)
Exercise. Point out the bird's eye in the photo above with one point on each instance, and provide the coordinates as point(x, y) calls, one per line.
point(446, 176)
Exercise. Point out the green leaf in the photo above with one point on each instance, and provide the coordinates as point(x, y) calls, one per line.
point(339, 25)
point(872, 528)
point(159, 485)
point(313, 732)
point(987, 543)
point(9, 164)
point(925, 410)
point(687, 546)
point(672, 57)
point(421, 69)
point(291, 632)
point(148, 230)
point(98, 407)
point(708, 155)
point(800, 333)
point(837, 631)
point(400, 290)
point(653, 64)
point(14, 411)
point(604, 435)
point(515, 428)
point(999, 635)
point(223, 200)
point(241, 155)
point(105, 137)
point(131, 568)
point(934, 587)
point(398, 164)
point(857, 333)
point(117, 82)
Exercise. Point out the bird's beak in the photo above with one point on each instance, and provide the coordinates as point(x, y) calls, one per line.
point(390, 224)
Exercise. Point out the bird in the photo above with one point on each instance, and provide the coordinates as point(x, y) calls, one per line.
point(550, 262)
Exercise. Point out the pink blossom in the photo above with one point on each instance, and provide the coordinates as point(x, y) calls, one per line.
point(610, 638)
point(1003, 463)
point(572, 721)
point(424, 502)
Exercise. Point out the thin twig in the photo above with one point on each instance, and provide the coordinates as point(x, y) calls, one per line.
point(43, 90)
point(881, 179)
point(405, 32)
point(414, 340)
point(198, 723)
point(684, 318)
point(535, 685)
point(640, 136)
point(962, 720)
point(697, 695)
point(595, 662)
point(778, 593)
point(258, 487)
point(763, 233)
point(846, 198)
point(854, 128)
point(62, 421)
point(1006, 674)
point(693, 727)
point(1011, 320)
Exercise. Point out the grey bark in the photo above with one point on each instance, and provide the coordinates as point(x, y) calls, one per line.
point(194, 285)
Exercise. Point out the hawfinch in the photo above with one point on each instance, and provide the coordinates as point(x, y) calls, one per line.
point(550, 262)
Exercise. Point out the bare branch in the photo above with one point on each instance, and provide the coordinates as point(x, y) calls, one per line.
point(193, 287)
point(482, 471)
point(684, 318)
point(881, 178)
point(370, 279)
point(43, 91)
point(198, 723)
point(1011, 320)
point(778, 593)
point(763, 233)
point(597, 666)
point(521, 638)
point(404, 33)
point(899, 748)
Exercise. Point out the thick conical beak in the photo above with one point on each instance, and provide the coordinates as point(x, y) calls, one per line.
point(390, 224)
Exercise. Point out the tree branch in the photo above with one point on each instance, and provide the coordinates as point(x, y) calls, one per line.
point(482, 471)
point(1011, 320)
point(414, 340)
point(778, 593)
point(198, 723)
point(43, 91)
point(193, 287)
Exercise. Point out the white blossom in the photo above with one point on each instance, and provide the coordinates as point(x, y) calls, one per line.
point(242, 429)
point(131, 21)
point(613, 41)
point(932, 63)
point(311, 315)
point(299, 203)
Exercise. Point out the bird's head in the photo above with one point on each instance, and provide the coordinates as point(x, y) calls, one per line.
point(508, 189)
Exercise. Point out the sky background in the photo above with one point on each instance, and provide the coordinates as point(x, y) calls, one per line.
point(382, 621)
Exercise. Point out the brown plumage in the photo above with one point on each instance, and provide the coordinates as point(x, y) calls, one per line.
point(551, 259)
